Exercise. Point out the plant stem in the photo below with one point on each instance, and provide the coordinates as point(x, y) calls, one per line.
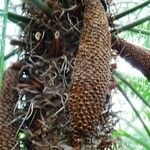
point(134, 109)
point(45, 8)
point(131, 10)
point(132, 88)
point(10, 54)
point(19, 18)
point(131, 25)
point(20, 24)
point(136, 30)
point(2, 39)
point(140, 31)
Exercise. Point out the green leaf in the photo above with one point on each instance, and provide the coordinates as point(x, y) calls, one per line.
point(138, 141)
point(3, 22)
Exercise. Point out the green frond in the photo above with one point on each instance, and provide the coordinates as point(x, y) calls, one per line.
point(3, 23)
point(133, 141)
point(135, 86)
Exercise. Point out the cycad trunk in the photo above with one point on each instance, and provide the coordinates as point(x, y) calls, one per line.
point(137, 56)
point(8, 99)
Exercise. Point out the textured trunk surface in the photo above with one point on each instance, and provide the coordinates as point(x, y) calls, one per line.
point(8, 99)
point(90, 78)
point(138, 57)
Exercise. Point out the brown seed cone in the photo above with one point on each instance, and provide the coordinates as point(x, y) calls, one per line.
point(138, 57)
point(8, 99)
point(91, 75)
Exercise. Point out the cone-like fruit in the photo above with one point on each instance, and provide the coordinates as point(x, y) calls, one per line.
point(91, 75)
point(137, 56)
point(8, 98)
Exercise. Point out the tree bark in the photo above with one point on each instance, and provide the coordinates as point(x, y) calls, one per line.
point(137, 56)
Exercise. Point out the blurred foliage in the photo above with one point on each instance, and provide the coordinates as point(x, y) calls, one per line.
point(133, 141)
point(135, 87)
point(138, 34)
point(138, 138)
point(3, 23)
point(138, 88)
